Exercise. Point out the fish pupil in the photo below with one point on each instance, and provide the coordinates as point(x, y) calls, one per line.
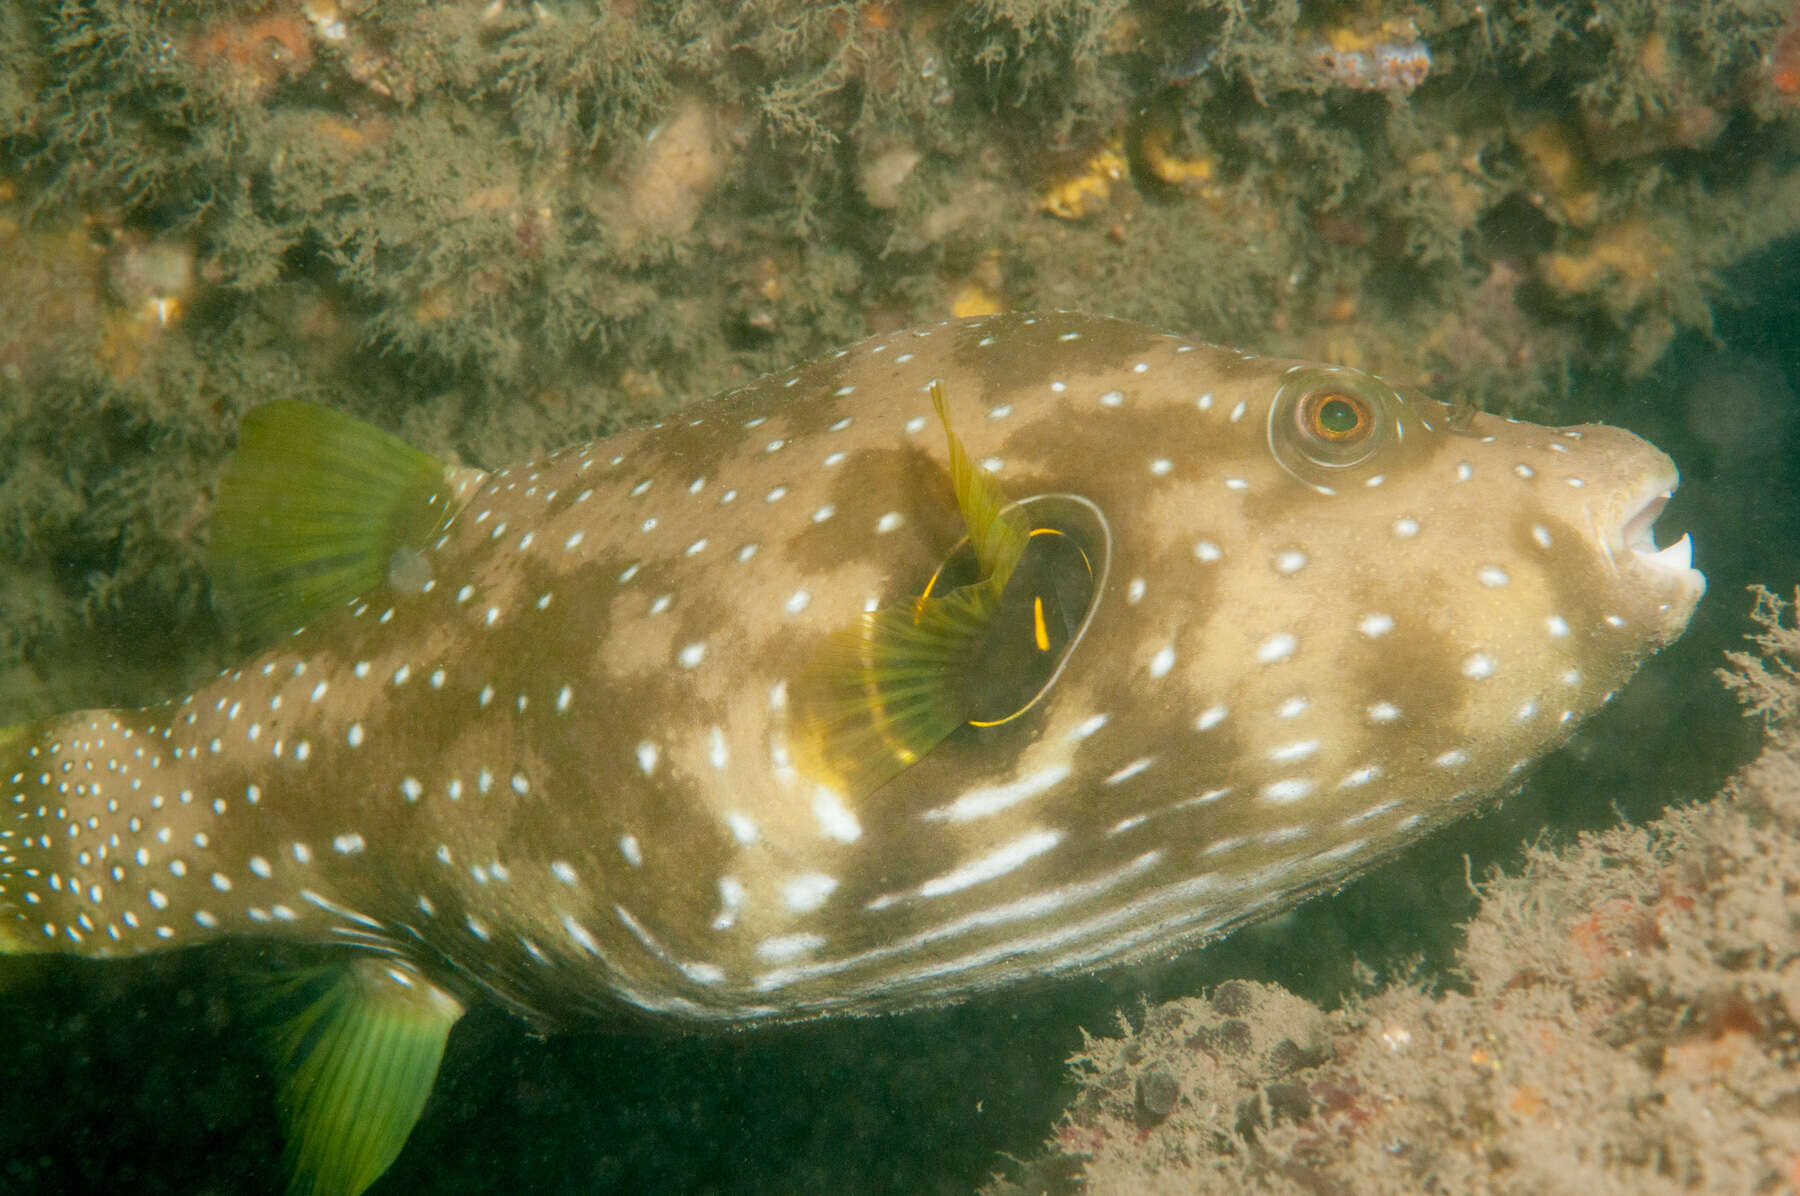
point(1337, 418)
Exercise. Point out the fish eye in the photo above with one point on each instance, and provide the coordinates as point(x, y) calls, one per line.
point(1335, 417)
point(1327, 419)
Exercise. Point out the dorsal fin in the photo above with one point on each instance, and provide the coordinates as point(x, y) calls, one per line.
point(316, 508)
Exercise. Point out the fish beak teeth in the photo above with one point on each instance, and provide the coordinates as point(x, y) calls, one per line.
point(1676, 558)
point(1675, 561)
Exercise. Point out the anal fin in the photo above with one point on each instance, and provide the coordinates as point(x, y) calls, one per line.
point(356, 1052)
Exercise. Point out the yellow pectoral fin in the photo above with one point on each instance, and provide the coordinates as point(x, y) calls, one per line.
point(881, 694)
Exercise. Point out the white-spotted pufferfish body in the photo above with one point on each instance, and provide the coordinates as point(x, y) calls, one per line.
point(559, 753)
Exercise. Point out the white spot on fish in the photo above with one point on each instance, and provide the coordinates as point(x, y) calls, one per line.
point(1406, 528)
point(1209, 718)
point(803, 894)
point(1279, 646)
point(580, 935)
point(1299, 750)
point(1541, 534)
point(1134, 593)
point(1291, 561)
point(1453, 758)
point(888, 522)
point(1162, 662)
point(1161, 467)
point(631, 850)
point(1112, 398)
point(349, 844)
point(1088, 726)
point(742, 828)
point(646, 757)
point(1375, 625)
point(1206, 550)
point(692, 655)
point(1557, 626)
point(991, 799)
point(1291, 789)
point(1492, 576)
point(798, 601)
point(354, 736)
point(1130, 770)
point(997, 863)
point(787, 946)
point(835, 818)
point(1383, 712)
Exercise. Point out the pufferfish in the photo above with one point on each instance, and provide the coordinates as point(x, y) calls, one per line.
point(1009, 647)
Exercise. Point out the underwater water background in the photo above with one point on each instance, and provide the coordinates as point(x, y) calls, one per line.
point(144, 1076)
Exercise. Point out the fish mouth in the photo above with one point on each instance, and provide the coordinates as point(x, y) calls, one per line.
point(1637, 535)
